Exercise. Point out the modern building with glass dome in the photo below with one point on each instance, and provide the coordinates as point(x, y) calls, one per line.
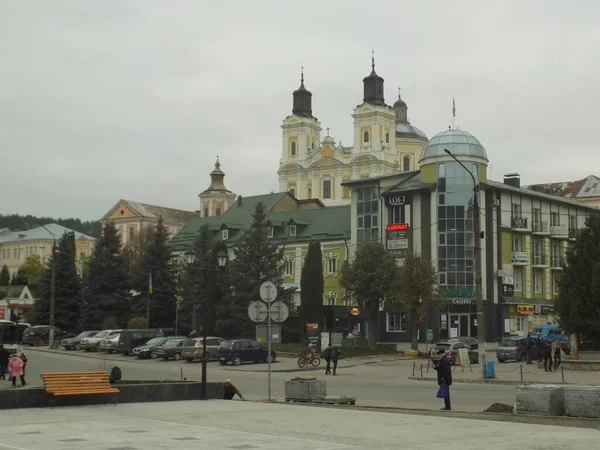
point(430, 212)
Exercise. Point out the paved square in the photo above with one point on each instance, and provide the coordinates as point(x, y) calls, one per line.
point(233, 425)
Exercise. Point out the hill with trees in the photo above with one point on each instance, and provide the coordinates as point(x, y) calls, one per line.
point(17, 222)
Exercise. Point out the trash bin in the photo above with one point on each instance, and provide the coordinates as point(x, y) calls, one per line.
point(490, 371)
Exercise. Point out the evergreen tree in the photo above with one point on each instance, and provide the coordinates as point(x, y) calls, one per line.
point(106, 284)
point(312, 285)
point(67, 287)
point(4, 276)
point(578, 300)
point(257, 259)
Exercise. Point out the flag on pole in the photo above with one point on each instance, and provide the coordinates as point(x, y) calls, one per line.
point(453, 108)
point(150, 282)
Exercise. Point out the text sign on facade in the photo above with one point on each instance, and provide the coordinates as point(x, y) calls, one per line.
point(508, 290)
point(397, 239)
point(397, 200)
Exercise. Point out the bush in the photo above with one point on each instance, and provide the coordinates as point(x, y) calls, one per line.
point(137, 323)
point(109, 323)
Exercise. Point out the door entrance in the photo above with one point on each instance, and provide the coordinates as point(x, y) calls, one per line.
point(459, 325)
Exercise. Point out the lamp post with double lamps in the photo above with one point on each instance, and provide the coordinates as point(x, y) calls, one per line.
point(477, 236)
point(190, 257)
point(52, 288)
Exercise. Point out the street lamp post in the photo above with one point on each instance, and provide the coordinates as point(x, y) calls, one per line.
point(190, 256)
point(52, 288)
point(478, 281)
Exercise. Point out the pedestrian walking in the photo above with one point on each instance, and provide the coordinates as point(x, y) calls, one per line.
point(335, 355)
point(444, 376)
point(327, 354)
point(21, 354)
point(15, 366)
point(547, 351)
point(3, 362)
point(528, 349)
point(557, 354)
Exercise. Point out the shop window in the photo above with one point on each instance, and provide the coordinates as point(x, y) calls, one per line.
point(396, 322)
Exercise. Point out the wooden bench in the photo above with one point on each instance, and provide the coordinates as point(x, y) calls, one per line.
point(77, 383)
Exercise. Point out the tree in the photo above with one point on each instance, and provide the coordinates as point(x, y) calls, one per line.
point(372, 279)
point(4, 276)
point(137, 323)
point(578, 300)
point(106, 283)
point(312, 285)
point(31, 271)
point(257, 259)
point(418, 283)
point(68, 287)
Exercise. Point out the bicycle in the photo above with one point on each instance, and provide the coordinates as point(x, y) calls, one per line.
point(308, 359)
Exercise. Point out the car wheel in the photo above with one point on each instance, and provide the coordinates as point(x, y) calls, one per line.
point(41, 342)
point(154, 356)
point(222, 362)
point(177, 356)
point(237, 360)
point(273, 357)
point(189, 360)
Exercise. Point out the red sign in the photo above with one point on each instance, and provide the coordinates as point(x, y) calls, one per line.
point(525, 309)
point(397, 227)
point(312, 327)
point(3, 312)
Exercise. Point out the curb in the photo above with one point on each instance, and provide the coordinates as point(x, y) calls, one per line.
point(488, 381)
point(88, 355)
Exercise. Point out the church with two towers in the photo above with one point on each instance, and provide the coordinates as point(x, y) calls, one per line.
point(385, 142)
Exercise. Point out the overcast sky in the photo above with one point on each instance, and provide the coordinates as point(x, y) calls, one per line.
point(109, 99)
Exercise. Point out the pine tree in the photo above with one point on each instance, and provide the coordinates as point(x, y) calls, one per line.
point(106, 284)
point(67, 287)
point(257, 259)
point(578, 301)
point(4, 276)
point(312, 285)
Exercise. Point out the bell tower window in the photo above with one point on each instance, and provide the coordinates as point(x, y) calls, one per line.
point(406, 163)
point(387, 138)
point(218, 210)
point(293, 148)
point(326, 188)
point(366, 137)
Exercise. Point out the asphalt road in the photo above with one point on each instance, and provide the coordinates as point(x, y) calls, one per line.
point(382, 384)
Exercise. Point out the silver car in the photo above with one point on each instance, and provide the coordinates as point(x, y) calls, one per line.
point(92, 343)
point(110, 343)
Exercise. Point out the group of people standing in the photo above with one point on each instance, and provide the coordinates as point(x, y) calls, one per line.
point(13, 366)
point(549, 351)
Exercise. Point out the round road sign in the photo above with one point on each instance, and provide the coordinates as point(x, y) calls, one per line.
point(279, 312)
point(258, 311)
point(268, 291)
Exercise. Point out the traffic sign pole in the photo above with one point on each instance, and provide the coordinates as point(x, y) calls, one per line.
point(269, 350)
point(268, 293)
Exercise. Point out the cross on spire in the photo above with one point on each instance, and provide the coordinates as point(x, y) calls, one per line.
point(327, 131)
point(302, 74)
point(398, 91)
point(373, 59)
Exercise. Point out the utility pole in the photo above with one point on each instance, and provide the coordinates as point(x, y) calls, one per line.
point(477, 236)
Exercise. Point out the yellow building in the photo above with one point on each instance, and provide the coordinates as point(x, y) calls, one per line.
point(17, 246)
point(384, 143)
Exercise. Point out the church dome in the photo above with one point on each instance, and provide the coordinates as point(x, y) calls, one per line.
point(460, 143)
point(405, 129)
point(400, 103)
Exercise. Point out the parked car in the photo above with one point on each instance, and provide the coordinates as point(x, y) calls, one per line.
point(244, 350)
point(144, 351)
point(451, 349)
point(471, 342)
point(170, 348)
point(131, 339)
point(74, 343)
point(513, 348)
point(550, 331)
point(40, 334)
point(192, 348)
point(110, 342)
point(92, 343)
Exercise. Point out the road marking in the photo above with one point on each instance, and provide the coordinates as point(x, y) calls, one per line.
point(12, 446)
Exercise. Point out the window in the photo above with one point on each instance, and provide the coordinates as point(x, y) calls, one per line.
point(224, 235)
point(288, 267)
point(442, 239)
point(206, 211)
point(387, 138)
point(293, 148)
point(516, 211)
point(554, 219)
point(537, 281)
point(365, 137)
point(15, 253)
point(555, 279)
point(442, 278)
point(396, 322)
point(331, 265)
point(81, 256)
point(517, 244)
point(131, 232)
point(572, 222)
point(517, 278)
point(292, 230)
point(326, 188)
point(292, 191)
point(270, 232)
point(330, 299)
point(397, 214)
point(218, 210)
point(537, 216)
point(367, 215)
point(309, 192)
point(406, 163)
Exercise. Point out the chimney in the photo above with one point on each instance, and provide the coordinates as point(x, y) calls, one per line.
point(512, 179)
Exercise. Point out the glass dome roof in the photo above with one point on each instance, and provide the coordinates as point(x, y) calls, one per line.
point(460, 143)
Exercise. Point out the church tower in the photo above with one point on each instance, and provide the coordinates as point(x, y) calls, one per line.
point(215, 200)
point(301, 137)
point(374, 122)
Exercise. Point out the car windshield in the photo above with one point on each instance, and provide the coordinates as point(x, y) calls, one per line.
point(172, 343)
point(113, 335)
point(508, 343)
point(442, 346)
point(541, 330)
point(155, 341)
point(101, 334)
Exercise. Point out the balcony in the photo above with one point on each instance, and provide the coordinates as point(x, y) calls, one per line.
point(557, 262)
point(540, 228)
point(539, 260)
point(519, 258)
point(574, 234)
point(559, 231)
point(518, 223)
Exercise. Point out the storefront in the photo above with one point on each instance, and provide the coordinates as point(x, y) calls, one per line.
point(522, 315)
point(458, 318)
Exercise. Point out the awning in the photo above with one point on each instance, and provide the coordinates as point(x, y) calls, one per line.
point(527, 301)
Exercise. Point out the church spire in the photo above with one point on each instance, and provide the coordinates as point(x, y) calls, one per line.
point(302, 99)
point(216, 179)
point(373, 86)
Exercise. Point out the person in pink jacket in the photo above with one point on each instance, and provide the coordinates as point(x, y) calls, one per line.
point(15, 367)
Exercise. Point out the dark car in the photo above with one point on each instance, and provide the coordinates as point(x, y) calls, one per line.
point(471, 342)
point(451, 349)
point(514, 348)
point(170, 348)
point(74, 343)
point(40, 335)
point(244, 350)
point(130, 339)
point(147, 350)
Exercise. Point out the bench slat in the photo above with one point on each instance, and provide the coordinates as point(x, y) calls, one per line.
point(77, 383)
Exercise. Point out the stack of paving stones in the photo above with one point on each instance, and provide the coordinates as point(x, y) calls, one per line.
point(558, 400)
point(305, 390)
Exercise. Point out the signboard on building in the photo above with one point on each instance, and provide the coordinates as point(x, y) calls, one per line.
point(525, 309)
point(397, 239)
point(397, 200)
point(460, 292)
point(3, 312)
point(519, 257)
point(313, 334)
point(461, 301)
point(508, 290)
point(547, 310)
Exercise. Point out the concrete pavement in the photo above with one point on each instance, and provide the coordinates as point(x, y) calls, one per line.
point(217, 425)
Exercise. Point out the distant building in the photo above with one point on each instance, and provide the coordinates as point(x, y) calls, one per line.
point(586, 191)
point(17, 301)
point(16, 246)
point(215, 200)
